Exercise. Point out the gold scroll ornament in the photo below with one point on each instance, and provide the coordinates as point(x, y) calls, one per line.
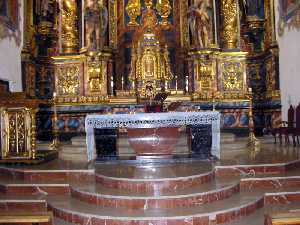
point(18, 135)
point(68, 80)
point(232, 78)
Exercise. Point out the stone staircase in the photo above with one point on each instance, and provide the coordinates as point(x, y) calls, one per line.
point(183, 192)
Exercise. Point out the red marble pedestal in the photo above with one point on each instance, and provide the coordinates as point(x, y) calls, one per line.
point(153, 142)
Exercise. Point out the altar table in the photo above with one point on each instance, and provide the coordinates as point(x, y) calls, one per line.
point(152, 120)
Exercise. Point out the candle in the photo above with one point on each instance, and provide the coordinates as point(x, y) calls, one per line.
point(112, 85)
point(187, 83)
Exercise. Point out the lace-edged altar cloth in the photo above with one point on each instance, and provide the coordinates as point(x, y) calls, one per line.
point(152, 120)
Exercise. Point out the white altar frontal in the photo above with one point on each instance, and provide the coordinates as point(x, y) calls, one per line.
point(152, 121)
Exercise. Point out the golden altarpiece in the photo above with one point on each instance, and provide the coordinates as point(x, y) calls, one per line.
point(108, 55)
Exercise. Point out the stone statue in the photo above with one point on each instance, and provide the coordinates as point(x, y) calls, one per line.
point(96, 22)
point(200, 23)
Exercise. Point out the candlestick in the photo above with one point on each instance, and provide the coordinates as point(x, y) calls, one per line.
point(55, 143)
point(187, 83)
point(112, 85)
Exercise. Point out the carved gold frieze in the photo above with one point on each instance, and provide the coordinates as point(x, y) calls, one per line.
point(232, 76)
point(69, 27)
point(75, 100)
point(205, 75)
point(68, 80)
point(18, 133)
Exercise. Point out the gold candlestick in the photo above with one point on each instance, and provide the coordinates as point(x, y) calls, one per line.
point(55, 142)
point(253, 142)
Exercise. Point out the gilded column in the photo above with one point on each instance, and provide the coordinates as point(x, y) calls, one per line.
point(28, 26)
point(69, 27)
point(270, 30)
point(230, 15)
point(184, 26)
point(113, 36)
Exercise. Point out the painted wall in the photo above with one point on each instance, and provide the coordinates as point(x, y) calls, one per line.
point(289, 61)
point(10, 58)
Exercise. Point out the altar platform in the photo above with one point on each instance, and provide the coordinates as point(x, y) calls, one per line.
point(174, 191)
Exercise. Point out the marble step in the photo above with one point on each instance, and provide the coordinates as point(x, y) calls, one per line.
point(258, 218)
point(73, 149)
point(57, 221)
point(188, 197)
point(40, 146)
point(227, 138)
point(216, 211)
point(80, 157)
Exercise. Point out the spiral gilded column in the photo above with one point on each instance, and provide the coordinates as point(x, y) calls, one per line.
point(69, 27)
point(230, 14)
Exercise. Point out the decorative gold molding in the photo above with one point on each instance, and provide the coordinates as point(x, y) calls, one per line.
point(18, 135)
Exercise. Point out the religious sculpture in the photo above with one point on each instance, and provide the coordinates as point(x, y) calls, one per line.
point(200, 21)
point(96, 22)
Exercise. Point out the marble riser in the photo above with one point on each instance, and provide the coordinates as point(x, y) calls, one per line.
point(70, 214)
point(152, 185)
point(182, 199)
point(224, 212)
point(73, 157)
point(159, 201)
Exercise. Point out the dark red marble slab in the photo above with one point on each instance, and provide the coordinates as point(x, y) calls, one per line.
point(154, 186)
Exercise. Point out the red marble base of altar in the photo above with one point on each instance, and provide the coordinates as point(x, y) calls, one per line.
point(153, 142)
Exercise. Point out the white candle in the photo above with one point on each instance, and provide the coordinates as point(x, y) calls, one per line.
point(187, 83)
point(112, 84)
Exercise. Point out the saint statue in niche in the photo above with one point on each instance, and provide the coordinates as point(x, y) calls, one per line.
point(200, 22)
point(96, 21)
point(45, 9)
